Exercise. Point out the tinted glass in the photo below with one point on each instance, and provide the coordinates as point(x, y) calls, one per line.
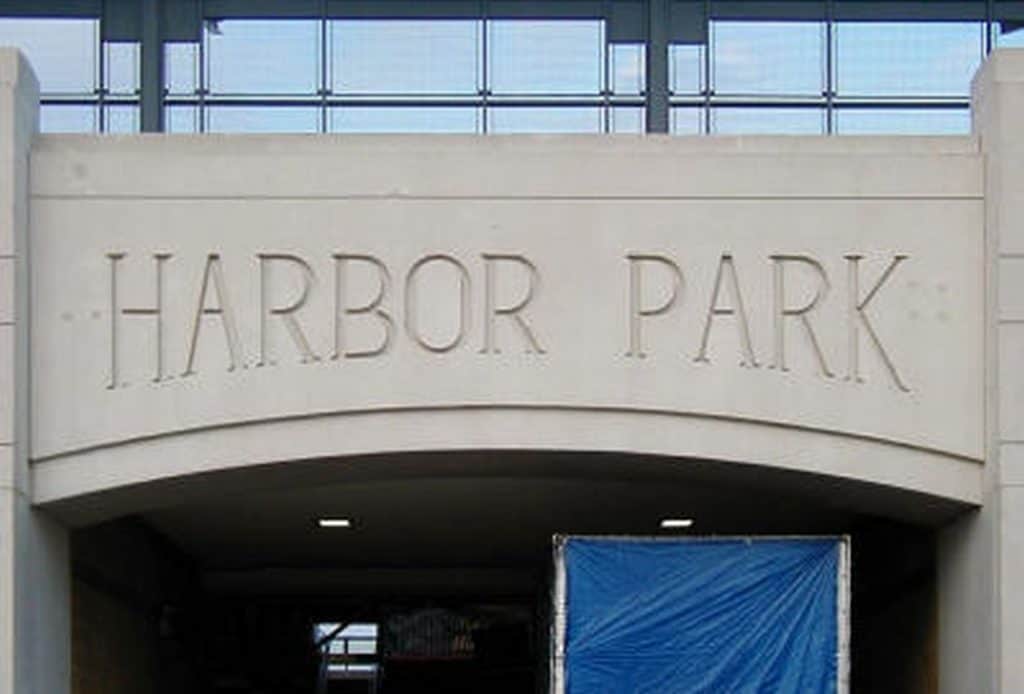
point(181, 119)
point(903, 122)
point(762, 120)
point(628, 68)
point(627, 119)
point(121, 119)
point(781, 58)
point(545, 57)
point(121, 64)
point(181, 68)
point(686, 69)
point(408, 119)
point(545, 120)
point(405, 57)
point(686, 120)
point(263, 119)
point(263, 56)
point(905, 59)
point(68, 119)
point(63, 52)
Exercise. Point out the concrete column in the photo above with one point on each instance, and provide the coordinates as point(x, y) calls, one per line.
point(982, 557)
point(35, 617)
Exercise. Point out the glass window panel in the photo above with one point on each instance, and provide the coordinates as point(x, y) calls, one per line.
point(365, 671)
point(627, 119)
point(1008, 40)
point(121, 64)
point(782, 58)
point(544, 119)
point(181, 67)
point(362, 647)
point(408, 119)
point(181, 119)
point(628, 68)
point(63, 52)
point(67, 119)
point(903, 121)
point(405, 57)
point(686, 69)
point(768, 121)
point(263, 119)
point(545, 57)
point(263, 56)
point(358, 629)
point(907, 59)
point(121, 118)
point(687, 120)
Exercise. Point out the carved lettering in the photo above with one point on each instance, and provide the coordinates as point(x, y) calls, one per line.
point(438, 309)
point(412, 298)
point(371, 307)
point(782, 312)
point(222, 310)
point(492, 310)
point(857, 317)
point(156, 312)
point(285, 313)
point(637, 311)
point(726, 267)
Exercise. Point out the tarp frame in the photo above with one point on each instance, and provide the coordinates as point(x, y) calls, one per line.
point(559, 594)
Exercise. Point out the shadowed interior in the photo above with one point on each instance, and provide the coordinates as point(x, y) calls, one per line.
point(219, 589)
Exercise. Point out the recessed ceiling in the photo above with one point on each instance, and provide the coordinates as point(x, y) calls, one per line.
point(476, 511)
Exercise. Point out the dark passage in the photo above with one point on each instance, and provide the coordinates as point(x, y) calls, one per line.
point(442, 582)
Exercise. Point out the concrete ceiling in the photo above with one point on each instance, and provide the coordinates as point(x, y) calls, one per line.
point(489, 513)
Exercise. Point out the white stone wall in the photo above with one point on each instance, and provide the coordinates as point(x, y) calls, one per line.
point(217, 301)
point(998, 115)
point(34, 574)
point(194, 304)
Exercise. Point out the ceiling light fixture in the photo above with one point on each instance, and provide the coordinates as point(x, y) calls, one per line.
point(334, 523)
point(676, 523)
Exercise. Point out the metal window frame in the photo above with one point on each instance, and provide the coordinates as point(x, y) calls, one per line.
point(654, 23)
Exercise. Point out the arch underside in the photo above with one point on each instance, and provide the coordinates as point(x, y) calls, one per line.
point(873, 476)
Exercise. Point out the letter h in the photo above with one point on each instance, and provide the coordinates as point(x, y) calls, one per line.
point(117, 311)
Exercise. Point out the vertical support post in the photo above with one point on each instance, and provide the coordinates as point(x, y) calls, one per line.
point(981, 565)
point(35, 582)
point(966, 580)
point(830, 87)
point(152, 73)
point(998, 103)
point(658, 22)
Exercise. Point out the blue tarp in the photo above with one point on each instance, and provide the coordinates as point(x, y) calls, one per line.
point(701, 615)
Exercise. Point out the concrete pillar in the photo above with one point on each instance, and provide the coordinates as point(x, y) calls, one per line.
point(967, 605)
point(982, 556)
point(35, 615)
